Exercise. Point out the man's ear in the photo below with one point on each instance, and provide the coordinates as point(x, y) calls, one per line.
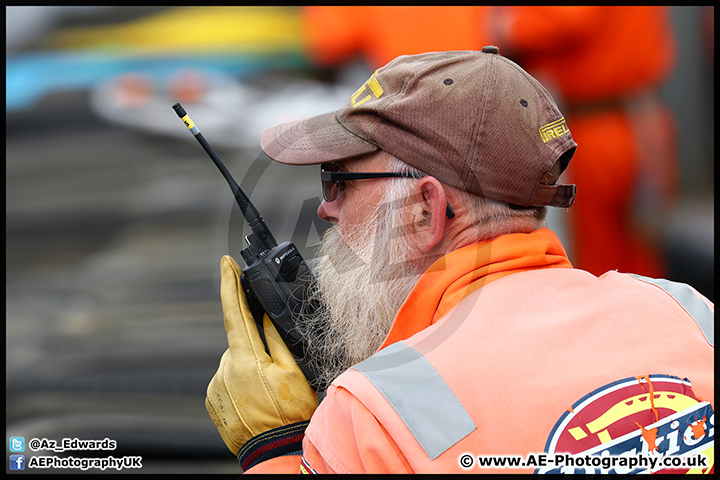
point(428, 213)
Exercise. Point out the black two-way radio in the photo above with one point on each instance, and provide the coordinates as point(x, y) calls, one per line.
point(276, 275)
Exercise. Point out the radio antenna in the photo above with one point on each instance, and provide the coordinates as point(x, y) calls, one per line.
point(252, 216)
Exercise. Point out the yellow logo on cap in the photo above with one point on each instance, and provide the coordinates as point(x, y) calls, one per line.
point(374, 86)
point(556, 129)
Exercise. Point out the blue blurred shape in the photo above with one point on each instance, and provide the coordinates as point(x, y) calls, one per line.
point(32, 76)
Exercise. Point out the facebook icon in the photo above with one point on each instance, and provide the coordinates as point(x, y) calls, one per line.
point(17, 462)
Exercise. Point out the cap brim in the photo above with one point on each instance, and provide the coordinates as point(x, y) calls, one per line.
point(313, 140)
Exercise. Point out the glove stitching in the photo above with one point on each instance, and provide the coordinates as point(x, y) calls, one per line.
point(272, 397)
point(209, 405)
point(234, 405)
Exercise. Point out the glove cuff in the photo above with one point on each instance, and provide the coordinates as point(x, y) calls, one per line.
point(285, 440)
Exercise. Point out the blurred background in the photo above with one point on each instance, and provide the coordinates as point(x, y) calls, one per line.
point(116, 219)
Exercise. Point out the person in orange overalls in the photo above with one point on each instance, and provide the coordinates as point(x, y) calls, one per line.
point(456, 335)
point(604, 64)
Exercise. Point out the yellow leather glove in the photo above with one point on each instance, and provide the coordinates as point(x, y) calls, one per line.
point(253, 395)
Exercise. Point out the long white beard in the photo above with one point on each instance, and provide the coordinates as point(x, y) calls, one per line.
point(363, 277)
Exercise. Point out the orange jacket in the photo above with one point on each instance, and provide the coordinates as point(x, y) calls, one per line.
point(542, 359)
point(604, 65)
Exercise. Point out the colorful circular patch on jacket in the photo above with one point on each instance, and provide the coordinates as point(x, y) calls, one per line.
point(649, 424)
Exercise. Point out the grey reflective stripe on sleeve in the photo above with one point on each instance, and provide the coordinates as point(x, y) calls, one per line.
point(421, 398)
point(692, 304)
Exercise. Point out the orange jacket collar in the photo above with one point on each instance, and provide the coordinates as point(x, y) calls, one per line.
point(459, 273)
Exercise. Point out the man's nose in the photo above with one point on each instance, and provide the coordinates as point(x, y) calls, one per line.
point(327, 211)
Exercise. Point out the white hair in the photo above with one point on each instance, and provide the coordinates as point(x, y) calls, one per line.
point(490, 217)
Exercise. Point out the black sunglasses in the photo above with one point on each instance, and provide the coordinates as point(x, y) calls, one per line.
point(334, 181)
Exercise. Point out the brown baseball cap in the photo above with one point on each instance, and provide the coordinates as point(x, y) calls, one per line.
point(474, 120)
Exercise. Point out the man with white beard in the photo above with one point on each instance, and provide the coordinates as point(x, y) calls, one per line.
point(357, 278)
point(456, 336)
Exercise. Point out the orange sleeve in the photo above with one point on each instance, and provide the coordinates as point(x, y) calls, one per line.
point(345, 437)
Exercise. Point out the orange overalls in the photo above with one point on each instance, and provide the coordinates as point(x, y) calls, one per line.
point(604, 66)
point(503, 351)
